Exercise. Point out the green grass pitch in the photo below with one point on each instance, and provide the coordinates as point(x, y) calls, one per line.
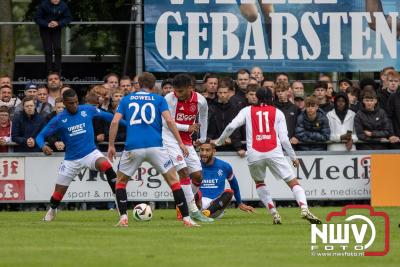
point(88, 238)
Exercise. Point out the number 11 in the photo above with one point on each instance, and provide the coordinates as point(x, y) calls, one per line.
point(260, 121)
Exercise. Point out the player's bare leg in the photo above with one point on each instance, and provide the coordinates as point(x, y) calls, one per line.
point(376, 6)
point(301, 199)
point(179, 197)
point(103, 165)
point(189, 196)
point(122, 199)
point(218, 205)
point(266, 10)
point(250, 12)
point(197, 198)
point(58, 194)
point(266, 199)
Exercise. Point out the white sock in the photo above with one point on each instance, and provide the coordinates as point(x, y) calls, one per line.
point(300, 196)
point(266, 198)
point(195, 188)
point(187, 190)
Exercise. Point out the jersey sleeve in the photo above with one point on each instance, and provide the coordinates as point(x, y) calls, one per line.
point(203, 118)
point(50, 129)
point(233, 183)
point(107, 116)
point(182, 127)
point(238, 121)
point(162, 106)
point(98, 113)
point(281, 128)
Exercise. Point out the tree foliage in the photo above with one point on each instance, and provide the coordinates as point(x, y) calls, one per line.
point(7, 42)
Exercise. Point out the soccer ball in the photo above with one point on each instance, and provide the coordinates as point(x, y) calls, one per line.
point(142, 212)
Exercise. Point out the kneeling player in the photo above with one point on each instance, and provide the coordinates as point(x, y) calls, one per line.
point(75, 126)
point(213, 198)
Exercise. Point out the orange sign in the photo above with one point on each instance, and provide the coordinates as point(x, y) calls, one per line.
point(385, 178)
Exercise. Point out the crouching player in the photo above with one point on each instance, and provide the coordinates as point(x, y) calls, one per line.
point(75, 126)
point(213, 198)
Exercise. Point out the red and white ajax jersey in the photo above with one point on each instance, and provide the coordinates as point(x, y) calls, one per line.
point(266, 132)
point(185, 114)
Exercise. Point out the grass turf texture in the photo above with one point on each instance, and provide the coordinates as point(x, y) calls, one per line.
point(88, 238)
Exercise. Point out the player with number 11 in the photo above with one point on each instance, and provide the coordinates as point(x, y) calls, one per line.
point(266, 132)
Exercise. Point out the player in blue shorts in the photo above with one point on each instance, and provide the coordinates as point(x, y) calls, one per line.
point(143, 112)
point(213, 198)
point(75, 127)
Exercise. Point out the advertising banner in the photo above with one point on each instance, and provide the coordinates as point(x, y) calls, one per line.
point(277, 35)
point(12, 179)
point(323, 177)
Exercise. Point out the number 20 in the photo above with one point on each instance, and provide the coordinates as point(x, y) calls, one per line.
point(142, 113)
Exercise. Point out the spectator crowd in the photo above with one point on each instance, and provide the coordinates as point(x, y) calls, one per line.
point(363, 115)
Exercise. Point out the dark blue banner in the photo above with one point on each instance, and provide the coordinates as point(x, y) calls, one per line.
point(277, 35)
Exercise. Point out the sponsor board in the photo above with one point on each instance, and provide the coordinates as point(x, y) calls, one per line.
point(12, 179)
point(328, 177)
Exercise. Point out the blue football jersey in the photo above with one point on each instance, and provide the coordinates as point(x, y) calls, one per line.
point(76, 130)
point(142, 112)
point(214, 177)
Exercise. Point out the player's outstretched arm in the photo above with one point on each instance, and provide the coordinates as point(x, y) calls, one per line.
point(174, 130)
point(107, 116)
point(246, 208)
point(112, 135)
point(238, 121)
point(233, 183)
point(50, 129)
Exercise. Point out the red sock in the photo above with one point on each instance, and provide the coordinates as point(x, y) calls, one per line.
point(104, 166)
point(56, 199)
point(58, 196)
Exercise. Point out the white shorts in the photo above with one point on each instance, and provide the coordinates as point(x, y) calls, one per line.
point(205, 202)
point(192, 162)
point(279, 167)
point(70, 168)
point(156, 156)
